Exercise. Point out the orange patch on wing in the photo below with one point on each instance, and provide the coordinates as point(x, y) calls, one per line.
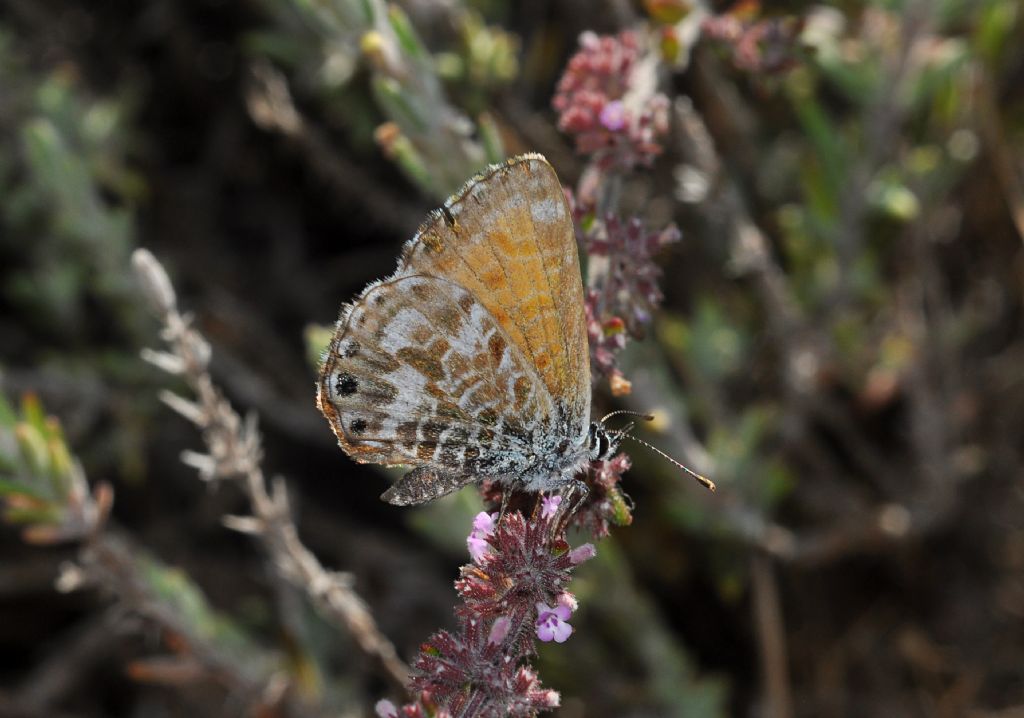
point(493, 278)
point(504, 243)
point(516, 238)
point(532, 306)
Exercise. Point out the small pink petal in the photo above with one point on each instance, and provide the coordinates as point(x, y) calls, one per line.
point(478, 547)
point(484, 523)
point(549, 698)
point(499, 631)
point(563, 612)
point(613, 116)
point(561, 632)
point(550, 506)
point(545, 632)
point(582, 553)
point(385, 709)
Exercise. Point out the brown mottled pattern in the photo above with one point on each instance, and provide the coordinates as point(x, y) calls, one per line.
point(441, 387)
point(422, 361)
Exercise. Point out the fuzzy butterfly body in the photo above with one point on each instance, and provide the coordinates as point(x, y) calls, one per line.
point(471, 361)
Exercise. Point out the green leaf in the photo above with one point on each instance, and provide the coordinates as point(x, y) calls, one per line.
point(490, 136)
point(318, 338)
point(369, 11)
point(8, 463)
point(409, 159)
point(397, 105)
point(32, 413)
point(996, 23)
point(9, 487)
point(26, 515)
point(7, 415)
point(406, 34)
point(33, 449)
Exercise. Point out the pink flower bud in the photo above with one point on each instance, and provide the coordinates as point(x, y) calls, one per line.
point(582, 553)
point(499, 631)
point(385, 709)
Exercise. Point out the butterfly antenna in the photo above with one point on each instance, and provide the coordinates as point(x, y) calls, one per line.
point(708, 483)
point(624, 431)
point(645, 417)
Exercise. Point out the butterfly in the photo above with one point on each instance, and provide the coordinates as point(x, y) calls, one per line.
point(471, 361)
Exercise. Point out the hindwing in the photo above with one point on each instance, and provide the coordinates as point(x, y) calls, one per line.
point(420, 373)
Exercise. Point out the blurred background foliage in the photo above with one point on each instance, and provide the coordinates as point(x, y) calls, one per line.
point(840, 347)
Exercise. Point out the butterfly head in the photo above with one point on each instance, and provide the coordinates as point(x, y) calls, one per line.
point(602, 443)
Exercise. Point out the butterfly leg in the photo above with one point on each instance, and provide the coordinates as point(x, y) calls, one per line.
point(505, 492)
point(574, 495)
point(577, 493)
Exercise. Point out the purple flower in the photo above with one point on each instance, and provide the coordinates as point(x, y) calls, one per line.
point(484, 523)
point(478, 547)
point(482, 667)
point(552, 623)
point(524, 565)
point(549, 506)
point(476, 542)
point(590, 108)
point(466, 673)
point(613, 116)
point(582, 553)
point(630, 288)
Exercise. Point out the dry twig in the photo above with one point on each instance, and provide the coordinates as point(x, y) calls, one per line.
point(771, 631)
point(270, 105)
point(235, 453)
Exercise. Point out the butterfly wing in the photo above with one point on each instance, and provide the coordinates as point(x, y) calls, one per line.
point(508, 238)
point(420, 373)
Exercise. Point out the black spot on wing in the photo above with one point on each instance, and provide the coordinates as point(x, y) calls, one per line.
point(346, 384)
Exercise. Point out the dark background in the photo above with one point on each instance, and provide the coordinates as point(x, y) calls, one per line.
point(865, 552)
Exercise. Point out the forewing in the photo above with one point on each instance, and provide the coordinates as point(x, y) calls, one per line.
point(420, 373)
point(508, 238)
